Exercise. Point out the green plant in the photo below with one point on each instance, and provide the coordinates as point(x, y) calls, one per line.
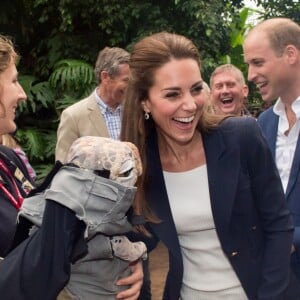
point(48, 31)
point(69, 81)
point(239, 27)
point(72, 75)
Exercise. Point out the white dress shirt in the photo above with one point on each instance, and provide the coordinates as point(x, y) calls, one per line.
point(286, 143)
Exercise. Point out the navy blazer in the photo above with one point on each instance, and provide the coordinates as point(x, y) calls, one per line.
point(249, 210)
point(268, 122)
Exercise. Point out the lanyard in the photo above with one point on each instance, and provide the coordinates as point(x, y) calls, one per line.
point(17, 202)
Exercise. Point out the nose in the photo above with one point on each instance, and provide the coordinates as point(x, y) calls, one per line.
point(251, 73)
point(189, 103)
point(21, 95)
point(224, 89)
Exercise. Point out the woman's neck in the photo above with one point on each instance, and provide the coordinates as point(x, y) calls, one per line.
point(179, 158)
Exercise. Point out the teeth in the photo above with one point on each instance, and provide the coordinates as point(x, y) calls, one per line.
point(260, 84)
point(226, 100)
point(185, 120)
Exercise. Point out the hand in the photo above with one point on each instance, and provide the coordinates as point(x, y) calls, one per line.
point(135, 280)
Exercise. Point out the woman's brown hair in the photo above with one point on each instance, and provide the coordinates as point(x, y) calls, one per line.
point(148, 55)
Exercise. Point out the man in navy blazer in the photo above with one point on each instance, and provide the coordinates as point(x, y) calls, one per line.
point(272, 51)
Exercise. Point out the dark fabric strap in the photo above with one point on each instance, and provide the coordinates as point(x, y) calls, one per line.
point(8, 213)
point(16, 166)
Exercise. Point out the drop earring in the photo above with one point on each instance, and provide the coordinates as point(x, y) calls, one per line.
point(146, 116)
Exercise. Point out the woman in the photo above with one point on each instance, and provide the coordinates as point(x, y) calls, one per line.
point(211, 182)
point(15, 181)
point(40, 266)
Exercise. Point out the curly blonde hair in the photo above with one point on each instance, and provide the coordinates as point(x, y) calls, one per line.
point(7, 55)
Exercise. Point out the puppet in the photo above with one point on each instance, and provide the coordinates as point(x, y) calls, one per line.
point(97, 186)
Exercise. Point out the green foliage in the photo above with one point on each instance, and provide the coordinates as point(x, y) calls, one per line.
point(70, 80)
point(235, 54)
point(42, 170)
point(238, 29)
point(33, 142)
point(280, 8)
point(59, 41)
point(38, 94)
point(72, 75)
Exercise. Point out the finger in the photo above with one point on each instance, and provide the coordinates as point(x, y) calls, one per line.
point(135, 284)
point(136, 276)
point(130, 294)
point(135, 280)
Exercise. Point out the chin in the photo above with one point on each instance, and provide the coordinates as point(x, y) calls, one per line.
point(184, 139)
point(12, 128)
point(267, 98)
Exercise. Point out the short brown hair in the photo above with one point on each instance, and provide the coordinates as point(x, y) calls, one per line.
point(109, 60)
point(281, 32)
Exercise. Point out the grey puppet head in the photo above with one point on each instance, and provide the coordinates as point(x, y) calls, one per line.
point(121, 159)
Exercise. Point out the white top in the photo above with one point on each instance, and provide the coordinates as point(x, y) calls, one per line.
point(207, 271)
point(286, 144)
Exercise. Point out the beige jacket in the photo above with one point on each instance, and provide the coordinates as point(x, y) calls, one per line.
point(80, 119)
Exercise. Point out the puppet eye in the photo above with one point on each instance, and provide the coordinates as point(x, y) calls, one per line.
point(103, 173)
point(126, 173)
point(126, 168)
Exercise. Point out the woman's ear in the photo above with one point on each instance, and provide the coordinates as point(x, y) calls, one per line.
point(145, 106)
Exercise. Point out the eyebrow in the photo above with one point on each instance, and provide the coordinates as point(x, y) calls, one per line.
point(226, 81)
point(197, 83)
point(253, 59)
point(171, 88)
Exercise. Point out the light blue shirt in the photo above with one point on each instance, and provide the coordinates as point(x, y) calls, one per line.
point(112, 118)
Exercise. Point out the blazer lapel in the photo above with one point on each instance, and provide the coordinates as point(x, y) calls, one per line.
point(158, 199)
point(96, 118)
point(223, 166)
point(270, 133)
point(294, 170)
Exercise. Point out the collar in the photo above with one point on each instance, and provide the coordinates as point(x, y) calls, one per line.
point(279, 108)
point(104, 108)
